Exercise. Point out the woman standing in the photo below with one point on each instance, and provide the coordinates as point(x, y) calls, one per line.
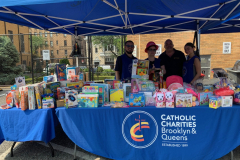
point(151, 49)
point(192, 67)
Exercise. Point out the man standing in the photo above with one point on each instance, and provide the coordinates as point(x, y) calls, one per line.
point(123, 69)
point(172, 59)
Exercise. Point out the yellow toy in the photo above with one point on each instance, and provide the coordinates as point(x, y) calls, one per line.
point(116, 95)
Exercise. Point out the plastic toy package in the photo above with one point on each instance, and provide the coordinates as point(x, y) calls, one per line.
point(140, 68)
point(137, 100)
point(88, 100)
point(183, 100)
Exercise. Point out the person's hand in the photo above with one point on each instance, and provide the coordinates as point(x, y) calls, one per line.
point(153, 67)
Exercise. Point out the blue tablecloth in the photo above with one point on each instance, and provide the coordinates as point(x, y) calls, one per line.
point(198, 133)
point(30, 125)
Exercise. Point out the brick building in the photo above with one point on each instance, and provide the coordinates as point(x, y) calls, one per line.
point(21, 42)
point(211, 47)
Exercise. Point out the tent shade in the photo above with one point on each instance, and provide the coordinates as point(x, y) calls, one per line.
point(111, 17)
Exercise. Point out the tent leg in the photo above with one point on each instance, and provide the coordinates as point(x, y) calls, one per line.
point(231, 155)
point(12, 148)
point(74, 152)
point(52, 150)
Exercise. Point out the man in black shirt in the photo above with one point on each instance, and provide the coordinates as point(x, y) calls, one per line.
point(171, 60)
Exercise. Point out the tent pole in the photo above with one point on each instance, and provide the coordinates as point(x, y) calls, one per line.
point(89, 70)
point(32, 59)
point(91, 58)
point(198, 39)
point(74, 44)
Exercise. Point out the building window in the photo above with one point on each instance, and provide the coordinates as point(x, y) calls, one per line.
point(109, 59)
point(65, 42)
point(51, 52)
point(51, 43)
point(35, 33)
point(22, 46)
point(25, 62)
point(57, 51)
point(65, 52)
point(10, 36)
point(65, 35)
point(46, 42)
point(40, 34)
point(50, 34)
point(57, 43)
point(96, 50)
point(45, 34)
point(109, 48)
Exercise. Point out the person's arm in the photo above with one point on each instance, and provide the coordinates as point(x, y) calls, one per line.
point(118, 68)
point(163, 69)
point(197, 65)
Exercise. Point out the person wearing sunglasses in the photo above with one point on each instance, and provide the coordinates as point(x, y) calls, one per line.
point(151, 49)
point(123, 68)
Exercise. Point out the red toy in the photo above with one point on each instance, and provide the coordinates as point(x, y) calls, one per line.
point(224, 92)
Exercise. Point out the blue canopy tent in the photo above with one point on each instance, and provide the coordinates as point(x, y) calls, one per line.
point(123, 17)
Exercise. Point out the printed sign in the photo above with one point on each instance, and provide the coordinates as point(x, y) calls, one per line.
point(46, 55)
point(226, 47)
point(159, 51)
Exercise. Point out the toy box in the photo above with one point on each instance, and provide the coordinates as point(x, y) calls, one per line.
point(208, 88)
point(106, 90)
point(160, 99)
point(31, 98)
point(90, 89)
point(227, 101)
point(203, 98)
point(14, 87)
point(215, 102)
point(23, 88)
point(61, 92)
point(60, 103)
point(48, 79)
point(60, 70)
point(48, 103)
point(183, 100)
point(16, 98)
point(9, 99)
point(127, 91)
point(136, 100)
point(75, 85)
point(72, 73)
point(20, 81)
point(134, 86)
point(140, 68)
point(146, 86)
point(71, 98)
point(116, 95)
point(52, 86)
point(149, 99)
point(81, 76)
point(169, 99)
point(117, 84)
point(24, 100)
point(88, 100)
point(38, 93)
point(110, 82)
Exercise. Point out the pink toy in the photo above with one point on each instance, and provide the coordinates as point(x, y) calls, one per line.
point(189, 90)
point(134, 86)
point(169, 99)
point(150, 101)
point(160, 99)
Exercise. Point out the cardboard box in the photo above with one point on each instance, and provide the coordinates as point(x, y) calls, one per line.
point(203, 98)
point(61, 73)
point(60, 103)
point(31, 98)
point(71, 98)
point(137, 100)
point(90, 89)
point(215, 102)
point(227, 101)
point(127, 91)
point(88, 100)
point(116, 95)
point(183, 100)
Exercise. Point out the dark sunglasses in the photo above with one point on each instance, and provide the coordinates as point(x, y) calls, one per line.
point(132, 46)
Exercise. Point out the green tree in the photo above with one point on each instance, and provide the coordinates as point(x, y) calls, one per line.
point(38, 42)
point(9, 57)
point(110, 42)
point(64, 61)
point(39, 68)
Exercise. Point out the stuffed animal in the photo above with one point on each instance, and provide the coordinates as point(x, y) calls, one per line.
point(160, 99)
point(169, 99)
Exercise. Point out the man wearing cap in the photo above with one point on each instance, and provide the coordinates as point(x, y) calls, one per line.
point(171, 60)
point(123, 68)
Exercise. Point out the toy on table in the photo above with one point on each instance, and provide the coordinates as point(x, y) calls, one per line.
point(71, 98)
point(117, 84)
point(160, 99)
point(81, 76)
point(31, 98)
point(236, 99)
point(227, 101)
point(149, 99)
point(183, 100)
point(191, 91)
point(101, 93)
point(224, 81)
point(88, 100)
point(127, 91)
point(48, 79)
point(72, 74)
point(60, 70)
point(194, 101)
point(14, 87)
point(20, 81)
point(119, 105)
point(4, 106)
point(226, 91)
point(90, 89)
point(174, 82)
point(203, 97)
point(106, 88)
point(207, 88)
point(199, 87)
point(48, 101)
point(169, 96)
point(134, 86)
point(61, 92)
point(110, 82)
point(116, 95)
point(38, 93)
point(136, 100)
point(16, 98)
point(215, 102)
point(140, 68)
point(9, 99)
point(51, 87)
point(161, 79)
point(146, 85)
point(24, 100)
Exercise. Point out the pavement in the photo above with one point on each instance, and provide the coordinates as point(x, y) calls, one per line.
point(63, 148)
